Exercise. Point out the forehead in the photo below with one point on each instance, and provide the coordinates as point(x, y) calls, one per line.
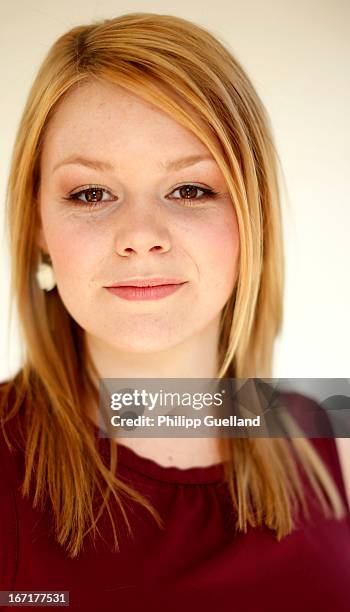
point(102, 117)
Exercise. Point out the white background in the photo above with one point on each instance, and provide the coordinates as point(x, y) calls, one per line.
point(297, 56)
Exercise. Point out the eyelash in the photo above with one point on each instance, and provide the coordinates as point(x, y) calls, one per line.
point(207, 193)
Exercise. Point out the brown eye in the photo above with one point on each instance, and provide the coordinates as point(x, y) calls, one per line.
point(188, 194)
point(91, 196)
point(94, 195)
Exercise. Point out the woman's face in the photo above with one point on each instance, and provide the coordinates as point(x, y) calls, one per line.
point(133, 222)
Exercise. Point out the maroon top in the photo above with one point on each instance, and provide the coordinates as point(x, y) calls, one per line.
point(198, 562)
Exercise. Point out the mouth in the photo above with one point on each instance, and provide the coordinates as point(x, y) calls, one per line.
point(145, 291)
point(146, 282)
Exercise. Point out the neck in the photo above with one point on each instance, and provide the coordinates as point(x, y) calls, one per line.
point(196, 357)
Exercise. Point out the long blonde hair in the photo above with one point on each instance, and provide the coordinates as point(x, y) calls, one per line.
point(165, 60)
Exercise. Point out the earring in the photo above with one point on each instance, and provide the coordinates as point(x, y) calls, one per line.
point(45, 275)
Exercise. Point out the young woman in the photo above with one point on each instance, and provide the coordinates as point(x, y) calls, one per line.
point(145, 154)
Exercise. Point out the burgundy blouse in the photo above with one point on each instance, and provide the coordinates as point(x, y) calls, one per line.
point(197, 562)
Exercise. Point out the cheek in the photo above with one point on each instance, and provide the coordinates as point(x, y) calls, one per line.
point(219, 255)
point(74, 248)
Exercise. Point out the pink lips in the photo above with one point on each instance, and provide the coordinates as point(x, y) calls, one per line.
point(145, 289)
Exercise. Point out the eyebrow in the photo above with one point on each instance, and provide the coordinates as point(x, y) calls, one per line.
point(97, 164)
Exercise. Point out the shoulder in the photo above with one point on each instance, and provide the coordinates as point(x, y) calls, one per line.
point(343, 452)
point(11, 437)
point(311, 417)
point(11, 409)
point(8, 507)
point(10, 427)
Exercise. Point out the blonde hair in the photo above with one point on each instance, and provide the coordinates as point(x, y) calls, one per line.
point(165, 60)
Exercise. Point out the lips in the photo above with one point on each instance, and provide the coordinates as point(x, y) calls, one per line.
point(147, 282)
point(137, 293)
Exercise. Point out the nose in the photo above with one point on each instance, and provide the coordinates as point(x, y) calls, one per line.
point(141, 234)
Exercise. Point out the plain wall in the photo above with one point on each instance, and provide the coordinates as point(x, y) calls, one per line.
point(297, 55)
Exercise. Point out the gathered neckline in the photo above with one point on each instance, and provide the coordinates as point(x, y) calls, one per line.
point(129, 458)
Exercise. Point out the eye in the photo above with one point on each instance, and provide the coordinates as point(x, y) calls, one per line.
point(189, 192)
point(91, 196)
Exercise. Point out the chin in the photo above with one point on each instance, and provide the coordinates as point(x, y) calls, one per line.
point(145, 347)
point(153, 343)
